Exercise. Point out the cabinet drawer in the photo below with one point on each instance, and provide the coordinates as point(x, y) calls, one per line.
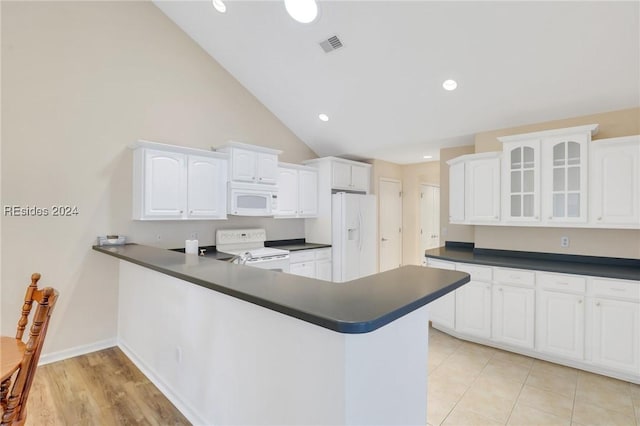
point(514, 276)
point(478, 273)
point(562, 282)
point(604, 287)
point(302, 256)
point(323, 254)
point(441, 264)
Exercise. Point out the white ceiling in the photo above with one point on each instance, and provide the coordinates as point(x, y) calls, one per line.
point(515, 62)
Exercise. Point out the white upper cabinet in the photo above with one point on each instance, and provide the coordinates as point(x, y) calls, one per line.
point(206, 187)
point(564, 176)
point(474, 188)
point(482, 189)
point(297, 191)
point(171, 182)
point(251, 163)
point(350, 175)
point(521, 181)
point(163, 184)
point(456, 193)
point(615, 182)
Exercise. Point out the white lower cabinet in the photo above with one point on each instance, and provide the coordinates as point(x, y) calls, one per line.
point(312, 263)
point(560, 324)
point(443, 310)
point(513, 315)
point(614, 324)
point(473, 302)
point(473, 309)
point(586, 322)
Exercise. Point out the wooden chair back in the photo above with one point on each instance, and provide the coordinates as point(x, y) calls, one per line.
point(14, 402)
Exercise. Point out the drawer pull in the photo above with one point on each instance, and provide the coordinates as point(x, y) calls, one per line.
point(562, 283)
point(514, 277)
point(597, 303)
point(500, 289)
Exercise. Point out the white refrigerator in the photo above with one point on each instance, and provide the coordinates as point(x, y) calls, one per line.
point(353, 235)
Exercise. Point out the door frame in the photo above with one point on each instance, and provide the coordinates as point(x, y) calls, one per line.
point(398, 181)
point(435, 185)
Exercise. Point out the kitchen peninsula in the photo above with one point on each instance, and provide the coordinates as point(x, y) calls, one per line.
point(230, 344)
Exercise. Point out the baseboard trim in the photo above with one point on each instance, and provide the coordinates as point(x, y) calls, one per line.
point(166, 390)
point(76, 351)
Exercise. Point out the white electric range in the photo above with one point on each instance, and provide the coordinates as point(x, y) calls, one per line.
point(249, 243)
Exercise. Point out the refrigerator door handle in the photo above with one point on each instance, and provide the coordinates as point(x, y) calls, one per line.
point(360, 231)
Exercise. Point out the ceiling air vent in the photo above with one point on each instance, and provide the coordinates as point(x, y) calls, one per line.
point(331, 44)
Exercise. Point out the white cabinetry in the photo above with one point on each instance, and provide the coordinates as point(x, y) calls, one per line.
point(615, 182)
point(443, 310)
point(560, 315)
point(513, 304)
point(297, 191)
point(171, 182)
point(564, 177)
point(350, 175)
point(456, 192)
point(474, 188)
point(473, 301)
point(614, 324)
point(521, 181)
point(251, 163)
point(313, 263)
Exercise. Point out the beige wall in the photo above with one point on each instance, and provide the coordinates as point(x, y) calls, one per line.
point(448, 231)
point(413, 175)
point(612, 124)
point(81, 81)
point(591, 242)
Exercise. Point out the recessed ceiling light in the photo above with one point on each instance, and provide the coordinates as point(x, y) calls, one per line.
point(303, 11)
point(426, 157)
point(219, 5)
point(323, 117)
point(449, 85)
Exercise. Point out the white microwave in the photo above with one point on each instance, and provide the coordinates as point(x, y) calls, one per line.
point(252, 200)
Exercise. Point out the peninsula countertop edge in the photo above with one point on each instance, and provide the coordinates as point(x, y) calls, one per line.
point(358, 306)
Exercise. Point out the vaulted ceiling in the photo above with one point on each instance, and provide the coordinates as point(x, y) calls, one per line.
point(515, 63)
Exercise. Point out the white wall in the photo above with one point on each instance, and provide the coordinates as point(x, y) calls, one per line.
point(81, 81)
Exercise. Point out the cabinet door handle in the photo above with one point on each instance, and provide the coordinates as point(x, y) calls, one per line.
point(180, 211)
point(384, 239)
point(562, 283)
point(599, 218)
point(499, 288)
point(579, 301)
point(259, 178)
point(597, 303)
point(616, 289)
point(514, 277)
point(550, 217)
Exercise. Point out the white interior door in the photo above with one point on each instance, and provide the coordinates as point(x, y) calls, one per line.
point(429, 217)
point(390, 224)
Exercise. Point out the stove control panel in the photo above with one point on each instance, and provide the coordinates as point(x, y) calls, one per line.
point(236, 236)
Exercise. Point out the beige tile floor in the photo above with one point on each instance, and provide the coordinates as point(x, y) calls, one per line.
point(471, 384)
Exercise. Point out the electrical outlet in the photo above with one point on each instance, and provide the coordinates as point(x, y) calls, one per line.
point(194, 235)
point(564, 242)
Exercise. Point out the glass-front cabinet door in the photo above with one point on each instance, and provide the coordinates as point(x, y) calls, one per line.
point(521, 177)
point(565, 178)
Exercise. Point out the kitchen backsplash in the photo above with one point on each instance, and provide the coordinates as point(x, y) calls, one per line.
point(173, 233)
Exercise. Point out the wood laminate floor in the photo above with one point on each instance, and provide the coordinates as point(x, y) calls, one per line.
point(100, 388)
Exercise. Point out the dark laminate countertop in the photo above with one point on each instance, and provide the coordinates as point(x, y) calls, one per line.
point(295, 245)
point(357, 306)
point(628, 269)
